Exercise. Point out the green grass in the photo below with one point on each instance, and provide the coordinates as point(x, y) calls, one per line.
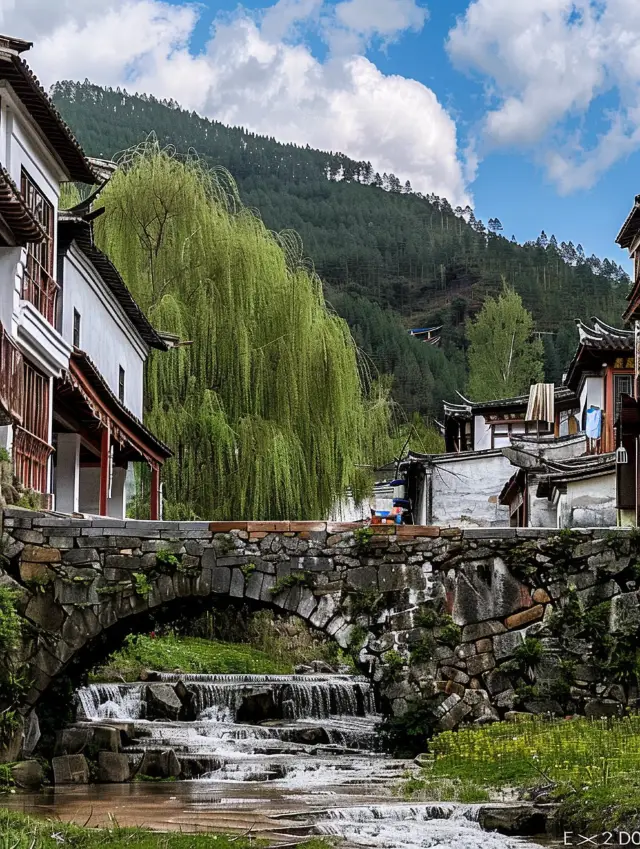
point(20, 832)
point(188, 655)
point(591, 767)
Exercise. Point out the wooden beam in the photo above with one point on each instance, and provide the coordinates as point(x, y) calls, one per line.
point(104, 470)
point(155, 494)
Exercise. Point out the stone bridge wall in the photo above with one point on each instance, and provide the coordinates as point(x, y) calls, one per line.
point(437, 615)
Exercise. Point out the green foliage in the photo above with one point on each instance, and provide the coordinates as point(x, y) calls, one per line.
point(407, 735)
point(30, 500)
point(10, 622)
point(369, 603)
point(248, 569)
point(141, 584)
point(528, 655)
point(271, 412)
point(393, 666)
point(504, 358)
point(189, 655)
point(20, 832)
point(425, 789)
point(166, 561)
point(448, 632)
point(294, 579)
point(6, 778)
point(5, 457)
point(363, 536)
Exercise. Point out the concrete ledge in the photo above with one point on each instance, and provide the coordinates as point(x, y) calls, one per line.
point(489, 533)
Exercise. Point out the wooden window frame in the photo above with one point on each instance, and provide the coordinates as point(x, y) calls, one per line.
point(122, 375)
point(77, 319)
point(39, 286)
point(31, 440)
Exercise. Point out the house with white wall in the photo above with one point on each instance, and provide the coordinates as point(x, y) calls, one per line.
point(73, 342)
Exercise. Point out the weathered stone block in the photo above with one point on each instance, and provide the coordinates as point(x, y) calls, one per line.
point(162, 702)
point(113, 768)
point(480, 663)
point(85, 556)
point(519, 620)
point(160, 765)
point(597, 708)
point(489, 591)
point(481, 629)
point(28, 775)
point(540, 596)
point(504, 645)
point(496, 682)
point(41, 554)
point(625, 612)
point(455, 675)
point(70, 769)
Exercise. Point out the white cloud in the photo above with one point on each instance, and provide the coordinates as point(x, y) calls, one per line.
point(357, 22)
point(547, 62)
point(255, 72)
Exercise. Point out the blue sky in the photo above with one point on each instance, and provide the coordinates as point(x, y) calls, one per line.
point(528, 109)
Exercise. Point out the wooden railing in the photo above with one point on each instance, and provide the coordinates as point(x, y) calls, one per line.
point(11, 378)
point(40, 289)
point(30, 459)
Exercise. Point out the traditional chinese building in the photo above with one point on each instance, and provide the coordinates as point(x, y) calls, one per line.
point(73, 342)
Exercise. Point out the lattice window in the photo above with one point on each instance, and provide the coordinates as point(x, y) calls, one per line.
point(31, 449)
point(38, 284)
point(622, 385)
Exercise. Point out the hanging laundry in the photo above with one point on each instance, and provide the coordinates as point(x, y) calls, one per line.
point(594, 423)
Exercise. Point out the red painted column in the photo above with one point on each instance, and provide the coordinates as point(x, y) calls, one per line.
point(104, 469)
point(155, 493)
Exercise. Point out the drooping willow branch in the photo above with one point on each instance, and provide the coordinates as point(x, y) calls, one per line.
point(271, 412)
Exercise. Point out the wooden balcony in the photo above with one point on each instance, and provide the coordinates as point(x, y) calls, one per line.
point(40, 289)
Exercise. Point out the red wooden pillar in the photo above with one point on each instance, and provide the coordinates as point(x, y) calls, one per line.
point(105, 450)
point(155, 493)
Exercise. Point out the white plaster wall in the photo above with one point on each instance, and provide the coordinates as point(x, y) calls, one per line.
point(481, 434)
point(541, 512)
point(592, 394)
point(106, 333)
point(465, 491)
point(589, 504)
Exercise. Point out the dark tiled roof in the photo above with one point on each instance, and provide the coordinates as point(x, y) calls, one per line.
point(562, 394)
point(74, 228)
point(594, 341)
point(82, 363)
point(23, 81)
point(631, 226)
point(16, 213)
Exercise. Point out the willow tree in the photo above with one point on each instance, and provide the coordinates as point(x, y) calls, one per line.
point(270, 412)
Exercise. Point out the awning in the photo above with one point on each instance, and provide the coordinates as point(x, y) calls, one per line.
point(83, 382)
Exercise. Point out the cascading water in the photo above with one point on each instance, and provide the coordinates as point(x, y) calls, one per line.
point(284, 748)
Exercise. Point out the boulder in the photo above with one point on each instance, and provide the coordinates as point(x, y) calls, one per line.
point(31, 733)
point(162, 702)
point(258, 706)
point(487, 592)
point(113, 768)
point(518, 819)
point(70, 769)
point(27, 775)
point(596, 708)
point(160, 764)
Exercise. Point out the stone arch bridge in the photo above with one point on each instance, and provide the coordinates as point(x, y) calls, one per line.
point(429, 612)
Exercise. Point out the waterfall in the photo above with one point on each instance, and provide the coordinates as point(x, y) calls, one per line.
point(110, 701)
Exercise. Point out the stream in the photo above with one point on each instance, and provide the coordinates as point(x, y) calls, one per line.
point(277, 756)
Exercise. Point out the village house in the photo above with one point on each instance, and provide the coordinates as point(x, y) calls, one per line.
point(73, 342)
point(462, 487)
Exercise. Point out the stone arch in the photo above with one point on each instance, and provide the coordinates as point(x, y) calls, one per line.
point(79, 578)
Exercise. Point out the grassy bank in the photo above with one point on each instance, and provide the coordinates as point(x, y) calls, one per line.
point(20, 832)
point(189, 655)
point(591, 768)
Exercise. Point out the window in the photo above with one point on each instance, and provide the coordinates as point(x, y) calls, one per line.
point(121, 385)
point(622, 385)
point(76, 328)
point(38, 284)
point(501, 432)
point(31, 447)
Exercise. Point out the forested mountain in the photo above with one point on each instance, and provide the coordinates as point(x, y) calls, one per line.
point(390, 258)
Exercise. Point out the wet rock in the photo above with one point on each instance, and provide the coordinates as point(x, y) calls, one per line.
point(70, 769)
point(160, 764)
point(27, 775)
point(31, 733)
point(516, 819)
point(162, 702)
point(488, 591)
point(258, 706)
point(113, 768)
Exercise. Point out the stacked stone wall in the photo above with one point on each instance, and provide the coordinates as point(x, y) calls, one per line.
point(477, 622)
